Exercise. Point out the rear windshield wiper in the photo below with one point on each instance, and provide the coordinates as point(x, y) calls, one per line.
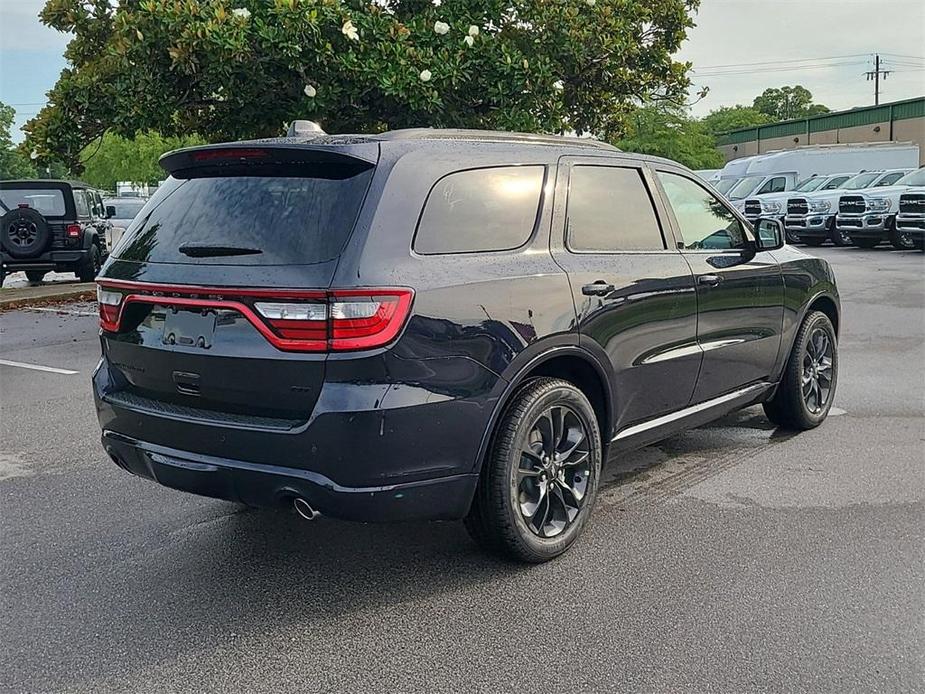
point(212, 251)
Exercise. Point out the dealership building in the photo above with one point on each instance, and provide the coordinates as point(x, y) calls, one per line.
point(900, 121)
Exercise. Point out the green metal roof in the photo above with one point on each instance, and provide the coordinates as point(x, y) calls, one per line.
point(866, 115)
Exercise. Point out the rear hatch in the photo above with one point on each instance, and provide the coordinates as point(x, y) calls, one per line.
point(215, 304)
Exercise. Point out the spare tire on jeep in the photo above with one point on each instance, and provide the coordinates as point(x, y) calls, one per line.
point(24, 233)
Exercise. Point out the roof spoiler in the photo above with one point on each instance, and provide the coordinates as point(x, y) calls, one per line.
point(232, 158)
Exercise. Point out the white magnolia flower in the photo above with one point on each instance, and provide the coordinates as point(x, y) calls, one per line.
point(34, 155)
point(441, 27)
point(469, 41)
point(473, 30)
point(350, 31)
point(310, 91)
point(558, 85)
point(425, 75)
point(591, 3)
point(436, 3)
point(241, 12)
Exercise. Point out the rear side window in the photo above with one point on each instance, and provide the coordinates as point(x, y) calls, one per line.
point(280, 219)
point(48, 201)
point(609, 209)
point(481, 210)
point(80, 204)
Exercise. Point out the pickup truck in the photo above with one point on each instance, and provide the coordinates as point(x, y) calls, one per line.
point(873, 216)
point(810, 218)
point(773, 205)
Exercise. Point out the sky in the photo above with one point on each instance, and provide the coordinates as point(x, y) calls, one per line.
point(738, 48)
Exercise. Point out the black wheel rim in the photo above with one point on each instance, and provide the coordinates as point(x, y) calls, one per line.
point(905, 239)
point(22, 233)
point(553, 472)
point(845, 238)
point(818, 371)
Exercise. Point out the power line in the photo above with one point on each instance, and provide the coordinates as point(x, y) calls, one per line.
point(792, 60)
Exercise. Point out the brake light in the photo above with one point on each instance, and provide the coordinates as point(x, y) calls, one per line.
point(110, 304)
point(229, 153)
point(72, 231)
point(291, 320)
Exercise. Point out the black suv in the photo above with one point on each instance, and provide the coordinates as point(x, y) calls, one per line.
point(430, 324)
point(48, 226)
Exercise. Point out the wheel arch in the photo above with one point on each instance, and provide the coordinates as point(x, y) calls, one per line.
point(570, 363)
point(825, 303)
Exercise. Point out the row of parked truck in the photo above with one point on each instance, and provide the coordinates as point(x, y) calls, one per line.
point(851, 195)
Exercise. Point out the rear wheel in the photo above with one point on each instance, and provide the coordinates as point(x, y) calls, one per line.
point(866, 243)
point(91, 265)
point(540, 480)
point(807, 388)
point(35, 276)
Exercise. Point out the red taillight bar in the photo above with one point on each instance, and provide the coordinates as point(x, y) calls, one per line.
point(331, 334)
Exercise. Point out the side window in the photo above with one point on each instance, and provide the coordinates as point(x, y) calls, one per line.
point(609, 209)
point(835, 183)
point(80, 203)
point(776, 185)
point(889, 179)
point(705, 222)
point(492, 209)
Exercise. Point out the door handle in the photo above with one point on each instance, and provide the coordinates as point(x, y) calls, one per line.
point(709, 280)
point(599, 288)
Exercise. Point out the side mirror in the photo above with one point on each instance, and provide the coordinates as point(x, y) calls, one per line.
point(769, 235)
point(110, 211)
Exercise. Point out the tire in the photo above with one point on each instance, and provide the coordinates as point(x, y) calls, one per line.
point(24, 232)
point(841, 239)
point(789, 408)
point(500, 519)
point(901, 241)
point(814, 242)
point(91, 265)
point(35, 276)
point(866, 243)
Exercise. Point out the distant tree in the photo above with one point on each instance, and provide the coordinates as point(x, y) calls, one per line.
point(786, 103)
point(115, 158)
point(668, 131)
point(13, 164)
point(727, 118)
point(242, 68)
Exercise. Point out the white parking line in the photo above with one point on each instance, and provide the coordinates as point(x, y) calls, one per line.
point(38, 367)
point(60, 310)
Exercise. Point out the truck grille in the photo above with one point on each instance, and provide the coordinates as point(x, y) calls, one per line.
point(752, 208)
point(797, 206)
point(851, 204)
point(912, 203)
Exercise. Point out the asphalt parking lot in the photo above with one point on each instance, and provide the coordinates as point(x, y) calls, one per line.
point(730, 558)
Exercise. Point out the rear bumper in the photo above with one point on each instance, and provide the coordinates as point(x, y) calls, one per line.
point(444, 498)
point(50, 260)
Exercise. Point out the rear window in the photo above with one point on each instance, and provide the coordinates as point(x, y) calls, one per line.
point(491, 209)
point(48, 201)
point(126, 210)
point(279, 219)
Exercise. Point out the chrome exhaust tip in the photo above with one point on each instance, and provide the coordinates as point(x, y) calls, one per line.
point(304, 509)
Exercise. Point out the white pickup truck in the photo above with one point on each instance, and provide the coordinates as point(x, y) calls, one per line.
point(774, 204)
point(895, 213)
point(810, 218)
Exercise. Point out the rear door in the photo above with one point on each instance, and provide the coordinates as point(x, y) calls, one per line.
point(634, 293)
point(216, 295)
point(740, 294)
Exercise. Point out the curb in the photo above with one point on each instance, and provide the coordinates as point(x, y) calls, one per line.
point(47, 294)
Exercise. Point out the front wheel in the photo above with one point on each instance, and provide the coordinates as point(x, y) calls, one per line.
point(841, 238)
point(807, 388)
point(901, 240)
point(539, 483)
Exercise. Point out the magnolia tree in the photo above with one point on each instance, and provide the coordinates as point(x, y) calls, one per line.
point(228, 69)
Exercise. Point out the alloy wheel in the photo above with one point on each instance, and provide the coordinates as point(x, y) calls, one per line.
point(553, 473)
point(817, 371)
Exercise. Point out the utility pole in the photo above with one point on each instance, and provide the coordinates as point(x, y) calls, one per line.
point(875, 76)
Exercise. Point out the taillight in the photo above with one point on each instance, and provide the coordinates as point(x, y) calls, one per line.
point(72, 231)
point(292, 320)
point(110, 304)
